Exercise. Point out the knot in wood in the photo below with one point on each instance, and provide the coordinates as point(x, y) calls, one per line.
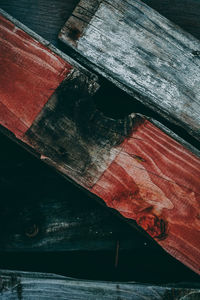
point(32, 231)
point(153, 225)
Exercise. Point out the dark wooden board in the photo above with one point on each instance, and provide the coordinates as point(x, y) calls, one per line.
point(56, 216)
point(129, 163)
point(46, 17)
point(143, 53)
point(22, 285)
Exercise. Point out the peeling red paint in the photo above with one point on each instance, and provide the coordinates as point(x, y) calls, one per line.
point(161, 191)
point(29, 74)
point(153, 179)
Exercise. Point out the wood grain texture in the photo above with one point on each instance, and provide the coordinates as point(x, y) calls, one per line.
point(151, 176)
point(130, 164)
point(24, 60)
point(47, 21)
point(155, 182)
point(24, 285)
point(64, 218)
point(184, 13)
point(45, 17)
point(143, 53)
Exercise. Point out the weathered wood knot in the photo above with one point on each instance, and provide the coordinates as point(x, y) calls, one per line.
point(153, 225)
point(74, 33)
point(32, 231)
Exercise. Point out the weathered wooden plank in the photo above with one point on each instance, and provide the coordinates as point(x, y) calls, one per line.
point(58, 228)
point(64, 218)
point(184, 13)
point(39, 68)
point(140, 51)
point(24, 285)
point(129, 163)
point(45, 17)
point(47, 22)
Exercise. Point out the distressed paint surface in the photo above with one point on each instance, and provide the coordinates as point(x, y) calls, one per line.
point(30, 73)
point(130, 164)
point(141, 52)
point(154, 180)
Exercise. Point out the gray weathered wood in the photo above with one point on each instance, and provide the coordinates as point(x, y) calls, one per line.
point(47, 21)
point(184, 13)
point(143, 53)
point(27, 286)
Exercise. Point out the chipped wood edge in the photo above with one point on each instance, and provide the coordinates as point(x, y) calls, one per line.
point(75, 27)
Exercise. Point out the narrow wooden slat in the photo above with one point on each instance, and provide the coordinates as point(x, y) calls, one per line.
point(129, 163)
point(141, 52)
point(24, 285)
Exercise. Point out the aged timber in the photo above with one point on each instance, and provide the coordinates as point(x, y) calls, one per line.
point(24, 285)
point(129, 163)
point(143, 53)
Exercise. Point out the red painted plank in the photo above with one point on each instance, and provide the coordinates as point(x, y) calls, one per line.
point(149, 177)
point(156, 181)
point(29, 74)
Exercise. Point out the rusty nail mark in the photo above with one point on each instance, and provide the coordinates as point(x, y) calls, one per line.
point(32, 231)
point(153, 225)
point(74, 33)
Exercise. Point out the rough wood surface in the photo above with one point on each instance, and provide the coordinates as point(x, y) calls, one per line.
point(25, 60)
point(184, 13)
point(142, 52)
point(154, 180)
point(64, 218)
point(47, 21)
point(24, 285)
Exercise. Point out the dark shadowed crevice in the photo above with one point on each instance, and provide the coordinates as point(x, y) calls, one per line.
point(116, 104)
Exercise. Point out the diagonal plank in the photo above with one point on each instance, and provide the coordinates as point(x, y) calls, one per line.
point(27, 285)
point(129, 163)
point(141, 52)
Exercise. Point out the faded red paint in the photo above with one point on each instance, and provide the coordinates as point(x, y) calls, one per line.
point(29, 74)
point(160, 190)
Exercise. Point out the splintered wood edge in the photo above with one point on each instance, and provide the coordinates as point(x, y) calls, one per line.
point(74, 29)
